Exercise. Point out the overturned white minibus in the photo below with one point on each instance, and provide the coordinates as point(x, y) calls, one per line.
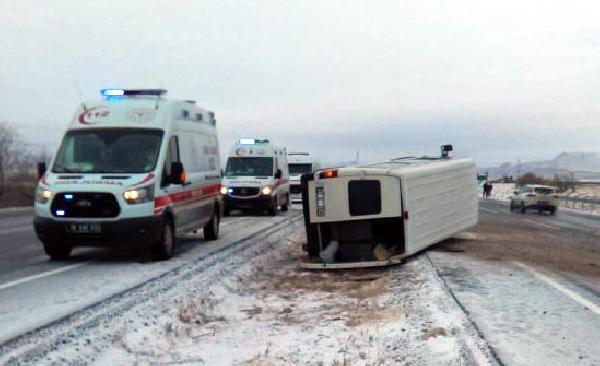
point(378, 214)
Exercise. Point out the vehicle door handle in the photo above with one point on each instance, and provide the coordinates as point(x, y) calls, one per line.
point(186, 184)
point(212, 176)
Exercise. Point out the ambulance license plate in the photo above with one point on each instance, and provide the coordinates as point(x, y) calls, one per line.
point(84, 228)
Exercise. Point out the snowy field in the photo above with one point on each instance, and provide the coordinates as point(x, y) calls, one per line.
point(269, 312)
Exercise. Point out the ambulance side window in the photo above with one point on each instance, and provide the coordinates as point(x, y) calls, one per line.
point(172, 157)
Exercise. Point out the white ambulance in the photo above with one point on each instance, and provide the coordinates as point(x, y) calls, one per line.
point(256, 177)
point(378, 214)
point(133, 168)
point(299, 163)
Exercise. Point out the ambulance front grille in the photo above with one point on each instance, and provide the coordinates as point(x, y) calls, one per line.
point(244, 191)
point(85, 205)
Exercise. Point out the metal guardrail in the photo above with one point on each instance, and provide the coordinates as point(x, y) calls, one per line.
point(581, 203)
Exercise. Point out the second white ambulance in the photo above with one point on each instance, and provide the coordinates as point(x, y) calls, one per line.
point(256, 177)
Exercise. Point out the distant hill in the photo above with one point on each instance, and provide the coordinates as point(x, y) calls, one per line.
point(583, 165)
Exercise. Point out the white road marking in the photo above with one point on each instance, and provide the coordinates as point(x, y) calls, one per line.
point(20, 281)
point(571, 294)
point(541, 224)
point(13, 230)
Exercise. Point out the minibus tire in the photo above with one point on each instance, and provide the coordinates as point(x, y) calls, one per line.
point(286, 205)
point(162, 250)
point(312, 241)
point(57, 252)
point(211, 230)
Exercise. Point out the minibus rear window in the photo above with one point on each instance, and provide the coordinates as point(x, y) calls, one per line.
point(364, 197)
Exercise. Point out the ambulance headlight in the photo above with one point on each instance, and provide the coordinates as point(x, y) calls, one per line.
point(139, 194)
point(42, 195)
point(266, 190)
point(223, 190)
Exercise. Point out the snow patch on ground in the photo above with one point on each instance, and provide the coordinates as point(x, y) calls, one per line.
point(269, 312)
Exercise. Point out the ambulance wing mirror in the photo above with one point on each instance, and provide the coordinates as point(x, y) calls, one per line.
point(278, 174)
point(41, 169)
point(177, 175)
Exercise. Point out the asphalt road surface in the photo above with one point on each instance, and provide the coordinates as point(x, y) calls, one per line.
point(528, 284)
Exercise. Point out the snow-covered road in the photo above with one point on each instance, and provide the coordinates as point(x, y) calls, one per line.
point(518, 289)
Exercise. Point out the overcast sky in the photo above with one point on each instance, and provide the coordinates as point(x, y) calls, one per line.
point(500, 80)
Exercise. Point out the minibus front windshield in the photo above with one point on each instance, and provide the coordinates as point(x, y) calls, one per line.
point(108, 151)
point(296, 168)
point(255, 166)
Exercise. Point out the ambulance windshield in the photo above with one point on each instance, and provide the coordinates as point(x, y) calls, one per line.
point(108, 151)
point(250, 166)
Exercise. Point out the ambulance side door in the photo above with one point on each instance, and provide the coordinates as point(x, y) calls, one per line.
point(173, 190)
point(193, 159)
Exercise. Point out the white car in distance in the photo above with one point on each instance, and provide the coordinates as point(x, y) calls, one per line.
point(534, 196)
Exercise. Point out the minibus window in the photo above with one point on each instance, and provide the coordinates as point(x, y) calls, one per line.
point(364, 197)
point(259, 166)
point(108, 151)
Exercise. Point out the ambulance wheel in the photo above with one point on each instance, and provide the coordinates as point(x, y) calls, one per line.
point(273, 209)
point(163, 249)
point(211, 230)
point(57, 252)
point(286, 205)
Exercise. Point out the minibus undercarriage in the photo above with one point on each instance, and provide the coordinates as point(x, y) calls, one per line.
point(356, 243)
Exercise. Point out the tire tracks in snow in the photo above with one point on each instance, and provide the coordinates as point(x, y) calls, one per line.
point(35, 344)
point(470, 325)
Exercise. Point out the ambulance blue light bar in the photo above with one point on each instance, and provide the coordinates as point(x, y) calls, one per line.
point(132, 92)
point(253, 141)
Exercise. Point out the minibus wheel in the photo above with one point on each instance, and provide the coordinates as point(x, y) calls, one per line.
point(211, 230)
point(57, 252)
point(164, 248)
